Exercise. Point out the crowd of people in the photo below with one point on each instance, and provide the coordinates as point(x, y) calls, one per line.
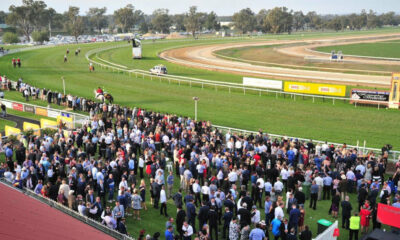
point(223, 185)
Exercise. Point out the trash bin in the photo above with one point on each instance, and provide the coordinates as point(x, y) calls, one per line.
point(323, 224)
point(306, 189)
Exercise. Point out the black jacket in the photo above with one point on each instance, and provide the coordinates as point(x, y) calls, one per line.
point(346, 208)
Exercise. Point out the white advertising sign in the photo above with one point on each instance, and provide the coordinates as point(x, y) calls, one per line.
point(264, 83)
point(52, 114)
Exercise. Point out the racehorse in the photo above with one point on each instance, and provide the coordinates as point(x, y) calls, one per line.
point(103, 97)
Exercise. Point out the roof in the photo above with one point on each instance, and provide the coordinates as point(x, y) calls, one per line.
point(22, 216)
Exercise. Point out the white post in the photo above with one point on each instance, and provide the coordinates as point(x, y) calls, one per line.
point(63, 84)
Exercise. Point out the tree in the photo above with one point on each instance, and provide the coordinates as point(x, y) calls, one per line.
point(97, 18)
point(143, 27)
point(179, 22)
point(244, 20)
point(313, 20)
point(373, 21)
point(212, 22)
point(75, 23)
point(161, 20)
point(335, 24)
point(40, 37)
point(54, 19)
point(193, 20)
point(389, 18)
point(26, 17)
point(3, 17)
point(298, 20)
point(10, 37)
point(279, 20)
point(124, 17)
point(260, 20)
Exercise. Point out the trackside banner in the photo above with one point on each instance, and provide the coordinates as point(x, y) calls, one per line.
point(264, 83)
point(316, 88)
point(389, 215)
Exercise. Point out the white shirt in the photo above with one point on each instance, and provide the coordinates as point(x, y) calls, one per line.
point(256, 218)
point(232, 176)
point(205, 190)
point(278, 186)
point(188, 230)
point(163, 196)
point(196, 187)
point(284, 174)
point(279, 212)
point(319, 181)
point(261, 181)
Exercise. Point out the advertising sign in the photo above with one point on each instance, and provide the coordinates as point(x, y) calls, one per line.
point(44, 123)
point(387, 213)
point(52, 114)
point(316, 88)
point(41, 111)
point(11, 130)
point(18, 107)
point(264, 83)
point(65, 120)
point(372, 95)
point(35, 127)
point(30, 109)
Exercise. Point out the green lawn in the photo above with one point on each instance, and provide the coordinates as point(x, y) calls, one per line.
point(389, 49)
point(4, 122)
point(320, 120)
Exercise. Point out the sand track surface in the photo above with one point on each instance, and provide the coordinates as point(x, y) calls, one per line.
point(204, 57)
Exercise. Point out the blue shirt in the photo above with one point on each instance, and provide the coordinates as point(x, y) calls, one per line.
point(276, 223)
point(170, 179)
point(168, 235)
point(327, 181)
point(257, 234)
point(267, 206)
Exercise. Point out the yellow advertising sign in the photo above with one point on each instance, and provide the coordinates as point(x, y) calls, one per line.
point(41, 111)
point(34, 127)
point(11, 130)
point(44, 123)
point(315, 88)
point(65, 120)
point(394, 97)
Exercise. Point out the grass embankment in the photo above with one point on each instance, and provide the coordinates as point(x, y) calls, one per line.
point(387, 49)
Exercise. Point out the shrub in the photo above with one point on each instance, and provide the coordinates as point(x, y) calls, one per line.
point(10, 37)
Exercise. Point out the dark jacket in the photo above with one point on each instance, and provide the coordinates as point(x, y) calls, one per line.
point(245, 216)
point(346, 208)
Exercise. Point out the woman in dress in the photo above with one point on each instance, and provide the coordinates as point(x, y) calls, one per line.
point(136, 204)
point(234, 229)
point(365, 216)
point(142, 189)
point(335, 205)
point(301, 219)
point(151, 191)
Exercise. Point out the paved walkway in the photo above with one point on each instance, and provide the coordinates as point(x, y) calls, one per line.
point(19, 121)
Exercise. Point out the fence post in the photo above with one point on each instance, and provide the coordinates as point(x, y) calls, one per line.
point(136, 74)
point(202, 85)
point(276, 95)
point(294, 97)
point(151, 78)
point(169, 81)
point(179, 81)
point(244, 91)
point(143, 75)
point(190, 83)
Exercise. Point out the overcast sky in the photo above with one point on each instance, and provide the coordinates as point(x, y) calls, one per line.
point(224, 7)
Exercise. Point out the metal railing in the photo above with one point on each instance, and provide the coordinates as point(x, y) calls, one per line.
point(70, 212)
point(393, 155)
point(216, 84)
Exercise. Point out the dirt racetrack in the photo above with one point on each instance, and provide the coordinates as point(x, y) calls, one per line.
point(203, 57)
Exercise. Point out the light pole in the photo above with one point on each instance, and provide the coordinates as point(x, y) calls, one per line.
point(196, 99)
point(63, 84)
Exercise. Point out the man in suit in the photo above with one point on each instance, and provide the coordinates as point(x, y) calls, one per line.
point(245, 215)
point(121, 227)
point(101, 192)
point(346, 212)
point(191, 214)
point(178, 198)
point(294, 217)
point(180, 219)
point(228, 215)
point(213, 222)
point(203, 215)
point(90, 197)
point(156, 193)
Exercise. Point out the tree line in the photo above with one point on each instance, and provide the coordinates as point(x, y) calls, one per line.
point(35, 19)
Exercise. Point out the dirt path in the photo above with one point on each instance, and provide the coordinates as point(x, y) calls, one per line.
point(203, 57)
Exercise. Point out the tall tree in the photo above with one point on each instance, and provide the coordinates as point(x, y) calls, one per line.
point(279, 20)
point(161, 20)
point(212, 22)
point(75, 23)
point(313, 20)
point(27, 17)
point(97, 18)
point(244, 20)
point(373, 21)
point(125, 17)
point(260, 20)
point(193, 20)
point(179, 22)
point(298, 20)
point(3, 17)
point(54, 20)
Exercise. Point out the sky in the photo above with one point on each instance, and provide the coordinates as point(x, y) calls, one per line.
point(224, 7)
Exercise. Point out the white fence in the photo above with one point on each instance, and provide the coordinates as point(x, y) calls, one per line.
point(77, 119)
point(328, 233)
point(214, 84)
point(393, 155)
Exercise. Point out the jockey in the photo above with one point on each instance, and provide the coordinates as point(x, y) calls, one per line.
point(99, 91)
